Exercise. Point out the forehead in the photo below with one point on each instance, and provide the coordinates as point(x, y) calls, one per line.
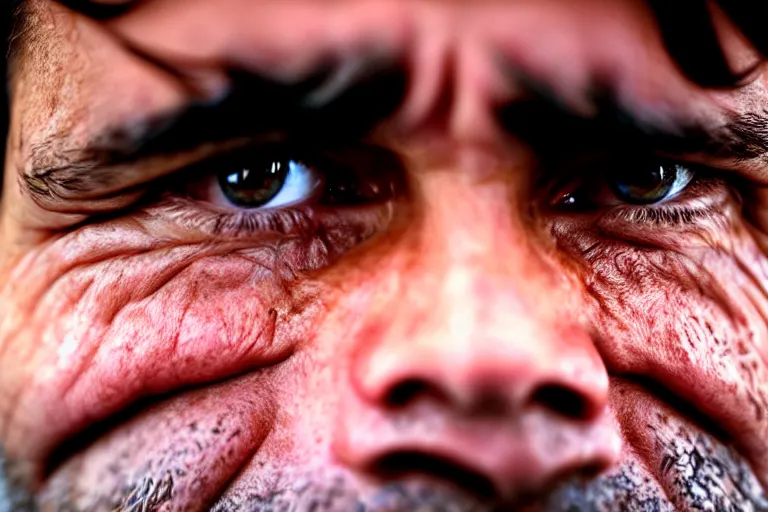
point(302, 22)
point(81, 76)
point(536, 30)
point(557, 38)
point(554, 38)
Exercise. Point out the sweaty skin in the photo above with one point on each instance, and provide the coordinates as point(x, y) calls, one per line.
point(466, 335)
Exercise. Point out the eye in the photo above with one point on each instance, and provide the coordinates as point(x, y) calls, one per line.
point(643, 182)
point(650, 183)
point(276, 177)
point(268, 182)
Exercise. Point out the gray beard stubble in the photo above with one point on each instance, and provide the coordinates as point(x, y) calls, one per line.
point(13, 495)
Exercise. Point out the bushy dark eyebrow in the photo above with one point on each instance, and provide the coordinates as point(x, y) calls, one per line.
point(338, 100)
point(738, 139)
point(257, 104)
point(550, 125)
point(543, 121)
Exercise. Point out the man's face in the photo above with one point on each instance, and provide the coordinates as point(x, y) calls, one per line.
point(381, 255)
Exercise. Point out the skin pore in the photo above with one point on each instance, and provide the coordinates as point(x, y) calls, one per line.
point(381, 255)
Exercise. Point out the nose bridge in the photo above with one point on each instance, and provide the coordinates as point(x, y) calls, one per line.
point(489, 277)
point(485, 312)
point(481, 317)
point(484, 334)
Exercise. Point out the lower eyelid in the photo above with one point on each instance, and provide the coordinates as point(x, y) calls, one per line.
point(195, 217)
point(205, 219)
point(705, 206)
point(701, 200)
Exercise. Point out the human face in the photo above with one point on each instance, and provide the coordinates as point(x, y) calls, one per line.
point(381, 255)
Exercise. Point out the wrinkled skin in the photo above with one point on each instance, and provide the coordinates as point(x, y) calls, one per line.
point(461, 346)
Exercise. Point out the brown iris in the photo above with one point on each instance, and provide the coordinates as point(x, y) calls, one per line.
point(647, 183)
point(256, 184)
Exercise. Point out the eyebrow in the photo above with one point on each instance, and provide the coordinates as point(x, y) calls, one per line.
point(311, 111)
point(343, 99)
point(336, 100)
point(545, 122)
point(19, 25)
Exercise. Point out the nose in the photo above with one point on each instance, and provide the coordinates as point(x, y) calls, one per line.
point(527, 369)
point(515, 400)
point(480, 366)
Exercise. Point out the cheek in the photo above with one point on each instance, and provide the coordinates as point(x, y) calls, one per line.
point(104, 334)
point(696, 470)
point(186, 449)
point(687, 323)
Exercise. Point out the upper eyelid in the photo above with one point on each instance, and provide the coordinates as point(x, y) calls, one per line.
point(89, 171)
point(88, 174)
point(64, 195)
point(577, 178)
point(91, 179)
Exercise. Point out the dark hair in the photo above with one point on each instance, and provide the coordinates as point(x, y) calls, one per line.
point(686, 27)
point(6, 10)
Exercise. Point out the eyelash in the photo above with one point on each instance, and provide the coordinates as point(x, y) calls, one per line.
point(686, 208)
point(697, 202)
point(305, 220)
point(179, 197)
point(193, 215)
point(299, 221)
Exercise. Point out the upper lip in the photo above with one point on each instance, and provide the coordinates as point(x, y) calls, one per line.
point(494, 465)
point(401, 463)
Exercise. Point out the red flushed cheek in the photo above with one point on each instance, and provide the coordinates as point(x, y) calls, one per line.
point(138, 326)
point(688, 324)
point(179, 454)
point(696, 470)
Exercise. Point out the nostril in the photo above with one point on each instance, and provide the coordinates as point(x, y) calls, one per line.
point(561, 400)
point(402, 464)
point(407, 391)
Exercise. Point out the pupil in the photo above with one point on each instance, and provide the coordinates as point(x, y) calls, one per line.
point(254, 185)
point(645, 184)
